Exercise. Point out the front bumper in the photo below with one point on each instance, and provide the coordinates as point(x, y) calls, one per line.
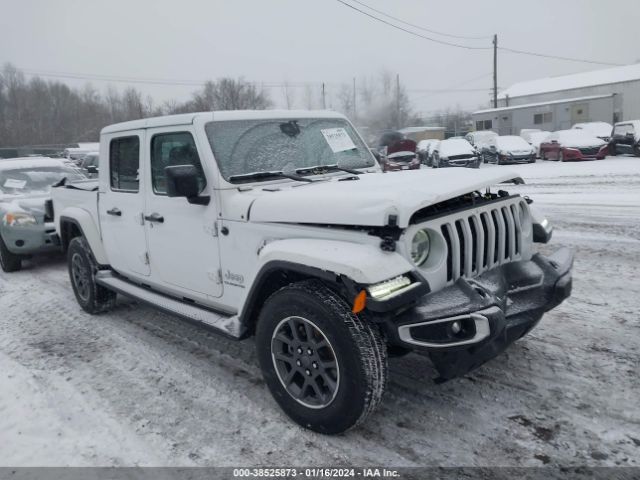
point(473, 162)
point(39, 238)
point(489, 312)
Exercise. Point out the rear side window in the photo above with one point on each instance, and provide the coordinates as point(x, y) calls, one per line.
point(124, 164)
point(172, 149)
point(623, 129)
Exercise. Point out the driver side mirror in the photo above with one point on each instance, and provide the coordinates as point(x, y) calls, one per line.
point(182, 181)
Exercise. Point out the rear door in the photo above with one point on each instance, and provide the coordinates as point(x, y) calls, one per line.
point(182, 237)
point(121, 204)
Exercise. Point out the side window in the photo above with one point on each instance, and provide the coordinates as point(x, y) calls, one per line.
point(124, 164)
point(170, 149)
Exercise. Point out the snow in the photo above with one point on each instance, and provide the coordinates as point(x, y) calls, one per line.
point(597, 129)
point(138, 387)
point(222, 115)
point(30, 162)
point(449, 148)
point(512, 143)
point(627, 73)
point(542, 104)
point(423, 145)
point(575, 138)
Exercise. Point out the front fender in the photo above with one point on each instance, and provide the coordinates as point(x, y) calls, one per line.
point(87, 225)
point(362, 263)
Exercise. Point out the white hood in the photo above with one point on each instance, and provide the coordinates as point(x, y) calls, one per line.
point(370, 200)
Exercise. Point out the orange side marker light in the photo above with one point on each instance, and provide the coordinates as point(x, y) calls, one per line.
point(360, 302)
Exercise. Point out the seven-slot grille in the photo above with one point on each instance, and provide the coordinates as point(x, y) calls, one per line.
point(482, 240)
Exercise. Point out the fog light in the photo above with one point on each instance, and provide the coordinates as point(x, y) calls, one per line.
point(456, 327)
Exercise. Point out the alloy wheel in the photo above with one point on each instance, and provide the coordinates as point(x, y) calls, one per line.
point(305, 362)
point(80, 274)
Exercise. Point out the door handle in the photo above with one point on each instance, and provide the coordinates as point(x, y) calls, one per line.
point(114, 211)
point(154, 217)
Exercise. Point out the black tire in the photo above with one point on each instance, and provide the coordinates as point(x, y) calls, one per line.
point(92, 297)
point(612, 150)
point(10, 262)
point(484, 158)
point(636, 150)
point(355, 346)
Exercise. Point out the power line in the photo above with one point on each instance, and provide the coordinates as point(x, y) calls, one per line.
point(418, 26)
point(442, 42)
point(556, 57)
point(151, 81)
point(511, 50)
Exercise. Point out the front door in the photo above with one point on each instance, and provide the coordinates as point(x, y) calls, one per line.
point(182, 237)
point(121, 205)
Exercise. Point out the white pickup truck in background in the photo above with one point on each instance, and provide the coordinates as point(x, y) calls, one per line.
point(280, 225)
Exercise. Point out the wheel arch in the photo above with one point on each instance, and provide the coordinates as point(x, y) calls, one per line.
point(277, 274)
point(76, 222)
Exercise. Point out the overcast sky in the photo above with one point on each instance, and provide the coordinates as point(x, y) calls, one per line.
point(314, 41)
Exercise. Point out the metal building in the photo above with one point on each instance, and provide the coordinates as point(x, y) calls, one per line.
point(556, 103)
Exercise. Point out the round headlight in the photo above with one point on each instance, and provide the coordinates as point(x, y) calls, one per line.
point(420, 247)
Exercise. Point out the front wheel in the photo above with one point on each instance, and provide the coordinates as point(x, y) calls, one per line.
point(10, 262)
point(92, 297)
point(324, 365)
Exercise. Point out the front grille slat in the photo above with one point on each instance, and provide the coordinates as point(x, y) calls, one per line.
point(482, 240)
point(511, 234)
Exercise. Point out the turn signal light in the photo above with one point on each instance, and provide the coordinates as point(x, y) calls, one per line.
point(360, 302)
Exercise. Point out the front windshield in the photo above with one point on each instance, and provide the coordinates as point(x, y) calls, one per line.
point(243, 147)
point(512, 143)
point(29, 181)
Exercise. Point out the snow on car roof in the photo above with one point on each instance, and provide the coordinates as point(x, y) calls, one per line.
point(30, 162)
point(512, 142)
point(542, 104)
point(455, 146)
point(222, 115)
point(599, 129)
point(606, 76)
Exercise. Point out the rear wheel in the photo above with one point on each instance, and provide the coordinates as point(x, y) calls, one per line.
point(10, 262)
point(324, 365)
point(636, 150)
point(92, 297)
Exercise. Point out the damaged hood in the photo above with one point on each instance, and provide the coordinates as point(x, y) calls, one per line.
point(370, 200)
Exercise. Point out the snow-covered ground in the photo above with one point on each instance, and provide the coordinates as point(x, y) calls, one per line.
point(138, 387)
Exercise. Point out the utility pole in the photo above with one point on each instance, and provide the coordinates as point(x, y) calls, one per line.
point(324, 103)
point(495, 71)
point(398, 99)
point(354, 99)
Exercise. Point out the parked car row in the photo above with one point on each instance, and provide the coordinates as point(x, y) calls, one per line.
point(25, 186)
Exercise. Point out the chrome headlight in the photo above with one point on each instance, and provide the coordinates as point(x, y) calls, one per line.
point(420, 246)
point(18, 219)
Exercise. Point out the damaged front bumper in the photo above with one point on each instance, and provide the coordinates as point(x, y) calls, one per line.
point(472, 321)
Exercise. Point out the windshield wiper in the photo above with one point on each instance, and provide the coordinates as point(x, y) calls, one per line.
point(320, 169)
point(265, 175)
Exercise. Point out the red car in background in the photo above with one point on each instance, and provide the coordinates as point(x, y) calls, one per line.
point(400, 155)
point(572, 145)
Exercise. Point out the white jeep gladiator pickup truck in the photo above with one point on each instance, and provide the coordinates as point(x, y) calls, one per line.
point(280, 225)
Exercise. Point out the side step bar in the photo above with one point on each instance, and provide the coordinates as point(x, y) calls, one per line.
point(226, 324)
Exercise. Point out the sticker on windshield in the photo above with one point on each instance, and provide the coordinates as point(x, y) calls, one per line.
point(14, 183)
point(338, 139)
